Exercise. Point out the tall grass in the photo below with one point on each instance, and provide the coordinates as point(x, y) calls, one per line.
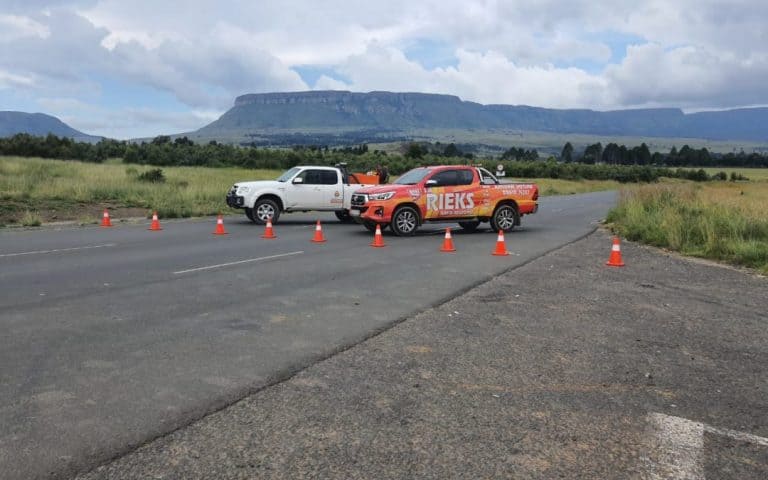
point(188, 191)
point(721, 221)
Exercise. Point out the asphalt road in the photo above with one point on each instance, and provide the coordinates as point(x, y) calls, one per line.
point(562, 368)
point(112, 337)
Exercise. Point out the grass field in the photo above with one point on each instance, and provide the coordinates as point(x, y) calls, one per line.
point(35, 191)
point(750, 173)
point(724, 221)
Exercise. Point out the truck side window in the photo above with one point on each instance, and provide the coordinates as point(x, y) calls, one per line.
point(445, 178)
point(329, 177)
point(464, 177)
point(311, 177)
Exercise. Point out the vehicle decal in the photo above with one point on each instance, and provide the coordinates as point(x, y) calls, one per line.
point(450, 204)
point(522, 189)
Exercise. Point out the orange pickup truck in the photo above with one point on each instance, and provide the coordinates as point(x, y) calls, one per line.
point(450, 193)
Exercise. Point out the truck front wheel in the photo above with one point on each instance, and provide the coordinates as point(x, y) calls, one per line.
point(405, 221)
point(344, 216)
point(370, 225)
point(504, 218)
point(264, 209)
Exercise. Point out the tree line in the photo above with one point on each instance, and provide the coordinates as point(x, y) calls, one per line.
point(614, 154)
point(616, 162)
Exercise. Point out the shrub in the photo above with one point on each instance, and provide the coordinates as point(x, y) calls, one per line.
point(31, 219)
point(154, 175)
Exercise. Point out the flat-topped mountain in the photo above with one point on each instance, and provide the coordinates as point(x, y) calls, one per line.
point(39, 124)
point(342, 111)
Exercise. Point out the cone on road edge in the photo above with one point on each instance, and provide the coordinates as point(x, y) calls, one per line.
point(155, 223)
point(378, 239)
point(501, 249)
point(318, 238)
point(105, 221)
point(448, 242)
point(615, 259)
point(268, 233)
point(220, 226)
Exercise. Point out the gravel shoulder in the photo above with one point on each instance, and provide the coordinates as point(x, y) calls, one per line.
point(561, 368)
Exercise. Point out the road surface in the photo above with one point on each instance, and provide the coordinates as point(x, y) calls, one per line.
point(112, 337)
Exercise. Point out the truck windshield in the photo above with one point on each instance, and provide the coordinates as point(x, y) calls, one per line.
point(412, 177)
point(288, 175)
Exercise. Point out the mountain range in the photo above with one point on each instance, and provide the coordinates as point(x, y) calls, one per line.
point(322, 111)
point(301, 117)
point(39, 124)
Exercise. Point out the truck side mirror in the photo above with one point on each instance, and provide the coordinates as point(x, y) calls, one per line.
point(297, 180)
point(430, 183)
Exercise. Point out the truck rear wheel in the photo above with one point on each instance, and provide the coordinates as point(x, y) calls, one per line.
point(265, 209)
point(504, 218)
point(405, 221)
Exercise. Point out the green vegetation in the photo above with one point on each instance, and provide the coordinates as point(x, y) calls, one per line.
point(721, 221)
point(31, 219)
point(68, 188)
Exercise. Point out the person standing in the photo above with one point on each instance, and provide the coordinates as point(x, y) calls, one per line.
point(383, 173)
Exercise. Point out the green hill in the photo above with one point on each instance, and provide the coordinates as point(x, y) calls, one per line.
point(39, 124)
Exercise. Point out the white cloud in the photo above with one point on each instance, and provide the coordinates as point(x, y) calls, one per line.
point(15, 26)
point(689, 53)
point(688, 77)
point(9, 80)
point(483, 78)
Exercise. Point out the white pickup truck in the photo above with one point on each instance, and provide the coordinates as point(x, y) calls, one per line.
point(299, 189)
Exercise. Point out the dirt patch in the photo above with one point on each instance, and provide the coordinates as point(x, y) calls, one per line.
point(12, 212)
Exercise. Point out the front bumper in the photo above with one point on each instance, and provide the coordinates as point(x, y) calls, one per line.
point(235, 201)
point(372, 211)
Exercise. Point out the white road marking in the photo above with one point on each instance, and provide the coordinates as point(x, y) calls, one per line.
point(679, 445)
point(210, 267)
point(57, 250)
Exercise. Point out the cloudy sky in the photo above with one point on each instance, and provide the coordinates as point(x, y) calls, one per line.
point(147, 67)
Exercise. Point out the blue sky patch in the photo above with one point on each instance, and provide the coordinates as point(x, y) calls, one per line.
point(431, 53)
point(311, 73)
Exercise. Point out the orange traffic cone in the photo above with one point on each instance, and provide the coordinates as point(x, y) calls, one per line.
point(378, 240)
point(501, 249)
point(615, 258)
point(268, 233)
point(220, 226)
point(155, 223)
point(448, 242)
point(318, 238)
point(105, 221)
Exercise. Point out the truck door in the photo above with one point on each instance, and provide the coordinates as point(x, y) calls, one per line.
point(331, 189)
point(318, 190)
point(454, 195)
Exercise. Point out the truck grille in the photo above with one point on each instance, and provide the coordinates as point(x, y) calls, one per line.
point(358, 199)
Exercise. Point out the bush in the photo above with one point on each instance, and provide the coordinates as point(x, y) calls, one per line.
point(154, 175)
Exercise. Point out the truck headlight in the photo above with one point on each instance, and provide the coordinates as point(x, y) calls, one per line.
point(381, 196)
point(243, 190)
